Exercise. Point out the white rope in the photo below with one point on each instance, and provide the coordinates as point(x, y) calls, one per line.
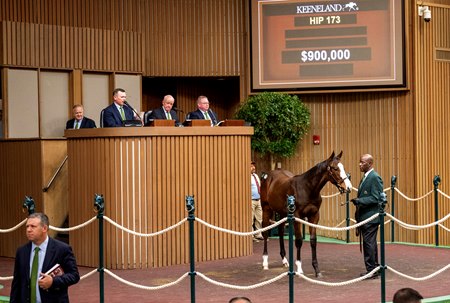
point(6, 278)
point(343, 221)
point(13, 228)
point(337, 228)
point(417, 227)
point(330, 196)
point(439, 191)
point(420, 279)
point(145, 235)
point(143, 286)
point(445, 228)
point(384, 190)
point(412, 199)
point(248, 233)
point(323, 283)
point(88, 274)
point(73, 227)
point(280, 276)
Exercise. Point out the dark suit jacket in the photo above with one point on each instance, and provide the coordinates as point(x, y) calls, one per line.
point(112, 118)
point(85, 123)
point(198, 115)
point(369, 196)
point(57, 252)
point(159, 113)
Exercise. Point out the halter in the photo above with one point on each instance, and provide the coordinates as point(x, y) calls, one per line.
point(336, 183)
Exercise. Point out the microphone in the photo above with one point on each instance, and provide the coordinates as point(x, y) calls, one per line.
point(177, 109)
point(214, 121)
point(127, 104)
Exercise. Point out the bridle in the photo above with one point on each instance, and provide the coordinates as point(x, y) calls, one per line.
point(336, 182)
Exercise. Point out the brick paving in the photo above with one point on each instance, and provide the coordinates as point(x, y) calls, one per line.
point(338, 263)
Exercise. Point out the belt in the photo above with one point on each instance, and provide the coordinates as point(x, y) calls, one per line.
point(256, 199)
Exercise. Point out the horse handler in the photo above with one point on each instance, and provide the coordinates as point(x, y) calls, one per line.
point(366, 203)
point(256, 201)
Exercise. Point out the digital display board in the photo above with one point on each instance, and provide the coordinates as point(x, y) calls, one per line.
point(327, 44)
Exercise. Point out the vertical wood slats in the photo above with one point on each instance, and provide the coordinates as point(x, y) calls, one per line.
point(144, 180)
point(26, 166)
point(68, 47)
point(432, 140)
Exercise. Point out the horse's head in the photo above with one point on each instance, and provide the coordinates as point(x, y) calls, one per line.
point(337, 174)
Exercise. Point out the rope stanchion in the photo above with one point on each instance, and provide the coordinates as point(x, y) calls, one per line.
point(280, 276)
point(145, 287)
point(73, 227)
point(417, 227)
point(413, 199)
point(13, 228)
point(6, 278)
point(144, 234)
point(422, 278)
point(85, 276)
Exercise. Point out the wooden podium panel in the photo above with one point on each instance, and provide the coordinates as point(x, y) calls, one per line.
point(161, 122)
point(231, 122)
point(197, 122)
point(145, 174)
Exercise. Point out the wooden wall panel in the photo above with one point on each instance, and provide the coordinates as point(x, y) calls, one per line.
point(145, 175)
point(432, 103)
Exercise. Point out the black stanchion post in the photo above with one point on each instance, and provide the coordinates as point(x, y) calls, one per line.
point(291, 219)
point(29, 205)
point(99, 208)
point(436, 182)
point(393, 181)
point(381, 206)
point(347, 212)
point(190, 207)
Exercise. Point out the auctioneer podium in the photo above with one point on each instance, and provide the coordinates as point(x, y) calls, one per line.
point(144, 174)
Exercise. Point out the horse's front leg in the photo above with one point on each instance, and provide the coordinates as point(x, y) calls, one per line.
point(313, 242)
point(298, 245)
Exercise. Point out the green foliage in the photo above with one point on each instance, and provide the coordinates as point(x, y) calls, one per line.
point(280, 121)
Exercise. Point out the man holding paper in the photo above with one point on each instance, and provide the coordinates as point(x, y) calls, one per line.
point(34, 280)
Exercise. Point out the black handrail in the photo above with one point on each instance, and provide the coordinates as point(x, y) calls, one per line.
point(45, 189)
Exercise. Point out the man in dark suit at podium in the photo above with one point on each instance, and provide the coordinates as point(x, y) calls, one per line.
point(118, 111)
point(166, 111)
point(79, 120)
point(203, 111)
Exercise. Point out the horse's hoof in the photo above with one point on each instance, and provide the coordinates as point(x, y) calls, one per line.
point(285, 262)
point(319, 275)
point(265, 267)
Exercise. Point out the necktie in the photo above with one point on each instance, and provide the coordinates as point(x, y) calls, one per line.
point(122, 113)
point(169, 117)
point(34, 273)
point(207, 116)
point(77, 124)
point(257, 183)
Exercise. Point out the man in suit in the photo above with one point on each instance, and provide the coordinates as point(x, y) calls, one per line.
point(117, 112)
point(165, 112)
point(79, 120)
point(203, 111)
point(34, 259)
point(366, 203)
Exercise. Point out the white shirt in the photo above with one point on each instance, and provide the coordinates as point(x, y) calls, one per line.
point(42, 251)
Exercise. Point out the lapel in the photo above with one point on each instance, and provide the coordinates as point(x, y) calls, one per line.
point(48, 254)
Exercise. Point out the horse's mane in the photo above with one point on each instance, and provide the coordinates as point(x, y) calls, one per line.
point(313, 170)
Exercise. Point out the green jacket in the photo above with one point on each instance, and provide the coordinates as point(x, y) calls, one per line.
point(368, 197)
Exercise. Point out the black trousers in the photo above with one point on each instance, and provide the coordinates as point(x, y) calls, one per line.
point(370, 247)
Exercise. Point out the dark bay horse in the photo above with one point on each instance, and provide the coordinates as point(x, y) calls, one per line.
point(279, 184)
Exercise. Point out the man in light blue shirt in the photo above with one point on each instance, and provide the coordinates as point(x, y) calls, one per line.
point(256, 201)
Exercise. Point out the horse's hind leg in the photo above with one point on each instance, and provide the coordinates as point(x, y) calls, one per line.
point(282, 248)
point(313, 242)
point(267, 215)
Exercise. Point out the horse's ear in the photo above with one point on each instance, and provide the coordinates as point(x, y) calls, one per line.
point(340, 155)
point(331, 157)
